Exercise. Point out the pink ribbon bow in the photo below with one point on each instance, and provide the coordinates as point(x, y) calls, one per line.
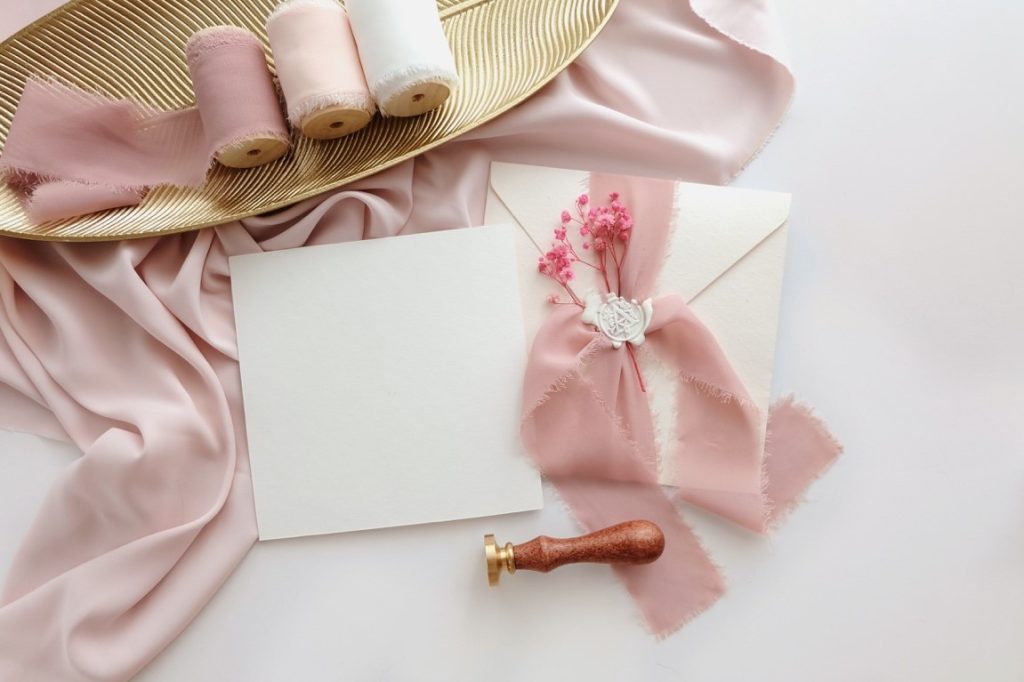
point(589, 427)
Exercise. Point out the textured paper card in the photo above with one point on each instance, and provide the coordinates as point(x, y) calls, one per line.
point(382, 382)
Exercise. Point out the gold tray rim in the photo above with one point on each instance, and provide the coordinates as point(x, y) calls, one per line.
point(68, 6)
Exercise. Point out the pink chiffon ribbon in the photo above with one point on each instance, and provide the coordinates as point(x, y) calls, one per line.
point(589, 427)
point(127, 350)
point(70, 152)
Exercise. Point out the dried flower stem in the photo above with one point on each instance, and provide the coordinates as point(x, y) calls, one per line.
point(636, 367)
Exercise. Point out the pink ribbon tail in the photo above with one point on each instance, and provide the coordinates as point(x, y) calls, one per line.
point(588, 426)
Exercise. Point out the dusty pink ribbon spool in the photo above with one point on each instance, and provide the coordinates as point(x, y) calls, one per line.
point(236, 97)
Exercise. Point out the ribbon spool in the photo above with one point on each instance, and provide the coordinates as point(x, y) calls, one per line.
point(319, 70)
point(406, 57)
point(236, 97)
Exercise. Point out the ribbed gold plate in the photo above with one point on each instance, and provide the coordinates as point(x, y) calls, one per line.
point(505, 51)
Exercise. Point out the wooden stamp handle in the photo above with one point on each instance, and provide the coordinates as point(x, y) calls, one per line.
point(632, 542)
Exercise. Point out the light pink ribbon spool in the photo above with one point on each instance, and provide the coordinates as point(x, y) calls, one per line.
point(241, 115)
point(318, 68)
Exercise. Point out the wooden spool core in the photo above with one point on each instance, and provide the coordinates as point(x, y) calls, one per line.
point(252, 152)
point(333, 122)
point(418, 100)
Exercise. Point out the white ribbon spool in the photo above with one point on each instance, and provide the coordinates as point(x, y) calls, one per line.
point(406, 57)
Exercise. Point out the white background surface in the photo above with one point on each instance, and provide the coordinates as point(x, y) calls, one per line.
point(902, 322)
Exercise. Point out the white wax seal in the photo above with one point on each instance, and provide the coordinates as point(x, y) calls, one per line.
point(622, 320)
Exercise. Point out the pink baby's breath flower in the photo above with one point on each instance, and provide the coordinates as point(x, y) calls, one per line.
point(604, 230)
point(605, 233)
point(558, 261)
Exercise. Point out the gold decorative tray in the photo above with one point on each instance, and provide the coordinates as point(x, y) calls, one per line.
point(505, 51)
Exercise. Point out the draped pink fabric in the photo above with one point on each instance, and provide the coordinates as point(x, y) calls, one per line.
point(588, 425)
point(127, 349)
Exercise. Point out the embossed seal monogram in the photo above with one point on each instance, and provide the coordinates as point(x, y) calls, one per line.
point(621, 320)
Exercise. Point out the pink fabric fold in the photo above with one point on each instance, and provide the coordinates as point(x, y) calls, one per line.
point(127, 350)
point(588, 425)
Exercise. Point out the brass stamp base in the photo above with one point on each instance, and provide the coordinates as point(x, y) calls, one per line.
point(498, 558)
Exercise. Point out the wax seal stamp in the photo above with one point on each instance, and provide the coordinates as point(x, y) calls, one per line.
point(632, 542)
point(622, 320)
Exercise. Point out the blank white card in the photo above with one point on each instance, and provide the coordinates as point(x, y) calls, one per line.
point(382, 382)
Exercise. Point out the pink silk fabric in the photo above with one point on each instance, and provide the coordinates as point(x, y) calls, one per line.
point(127, 350)
point(588, 425)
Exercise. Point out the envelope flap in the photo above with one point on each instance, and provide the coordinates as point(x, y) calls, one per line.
point(536, 196)
point(715, 228)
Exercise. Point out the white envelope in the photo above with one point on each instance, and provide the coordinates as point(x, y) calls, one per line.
point(726, 259)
